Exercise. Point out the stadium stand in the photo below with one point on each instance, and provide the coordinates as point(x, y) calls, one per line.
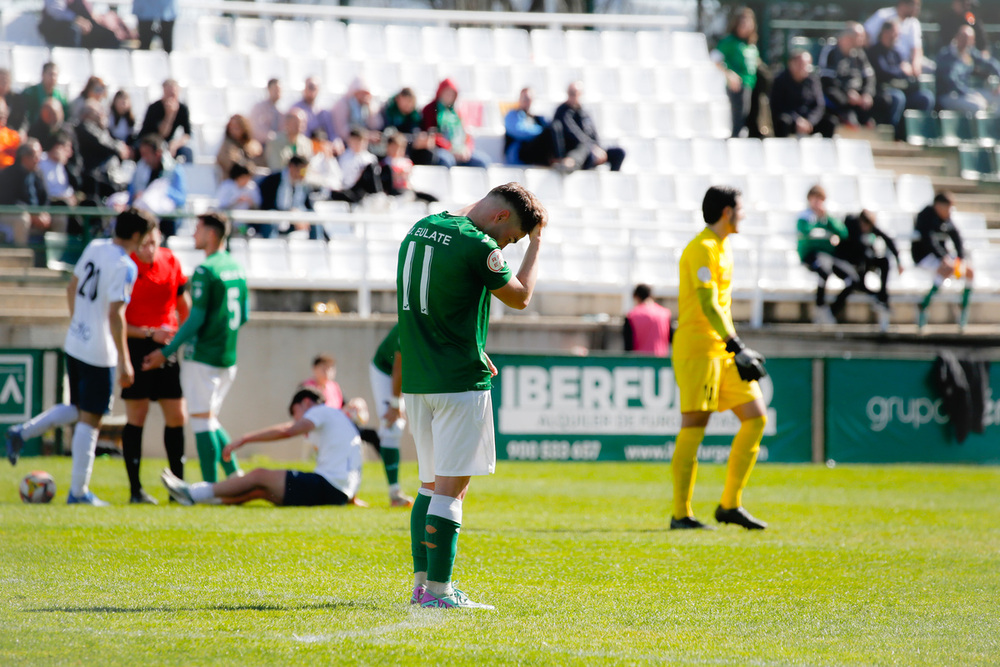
point(609, 230)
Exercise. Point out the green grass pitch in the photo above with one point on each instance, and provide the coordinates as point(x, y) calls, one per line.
point(861, 566)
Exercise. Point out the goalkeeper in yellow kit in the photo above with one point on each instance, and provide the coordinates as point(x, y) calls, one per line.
point(715, 372)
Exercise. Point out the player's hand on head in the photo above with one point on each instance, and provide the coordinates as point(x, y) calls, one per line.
point(749, 363)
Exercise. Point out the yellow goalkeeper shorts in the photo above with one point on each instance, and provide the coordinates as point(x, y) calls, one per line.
point(712, 385)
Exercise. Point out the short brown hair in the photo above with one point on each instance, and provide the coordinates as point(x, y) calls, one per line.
point(217, 222)
point(133, 220)
point(523, 204)
point(816, 191)
point(944, 197)
point(324, 359)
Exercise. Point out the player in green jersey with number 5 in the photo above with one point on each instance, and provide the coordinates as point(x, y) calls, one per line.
point(219, 307)
point(448, 265)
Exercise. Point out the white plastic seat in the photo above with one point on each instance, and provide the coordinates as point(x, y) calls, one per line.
point(366, 41)
point(819, 155)
point(914, 192)
point(330, 39)
point(475, 44)
point(657, 267)
point(462, 75)
point(602, 83)
point(185, 33)
point(74, 67)
point(782, 156)
point(251, 35)
point(215, 33)
point(191, 69)
point(710, 156)
point(432, 179)
point(526, 75)
point(140, 100)
point(841, 193)
point(559, 76)
point(420, 76)
point(498, 175)
point(241, 99)
point(796, 188)
point(854, 156)
point(641, 154)
point(347, 259)
point(381, 77)
point(439, 44)
point(584, 47)
point(619, 189)
point(689, 47)
point(582, 188)
point(269, 258)
point(150, 68)
point(264, 67)
point(229, 69)
point(691, 190)
point(673, 84)
point(512, 45)
point(656, 121)
point(618, 119)
point(658, 190)
point(239, 250)
point(708, 83)
point(114, 65)
point(200, 179)
point(674, 156)
point(383, 256)
point(548, 46)
point(619, 46)
point(493, 82)
point(878, 191)
point(208, 140)
point(309, 259)
point(402, 42)
point(547, 185)
point(207, 105)
point(301, 68)
point(292, 38)
point(654, 46)
point(746, 156)
point(765, 192)
point(468, 184)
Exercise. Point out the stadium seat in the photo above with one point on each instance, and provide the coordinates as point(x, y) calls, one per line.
point(583, 47)
point(638, 84)
point(878, 191)
point(654, 46)
point(854, 156)
point(796, 187)
point(818, 155)
point(468, 184)
point(548, 46)
point(215, 33)
point(498, 175)
point(402, 42)
point(229, 69)
point(977, 162)
point(381, 77)
point(366, 41)
point(239, 250)
point(26, 64)
point(241, 99)
point(347, 258)
point(559, 76)
point(493, 82)
point(746, 156)
point(708, 82)
point(183, 248)
point(956, 128)
point(656, 120)
point(191, 69)
point(674, 156)
point(619, 189)
point(620, 47)
point(201, 179)
point(688, 48)
point(74, 67)
point(657, 267)
point(987, 127)
point(841, 193)
point(431, 179)
point(618, 119)
point(115, 67)
point(921, 128)
point(601, 83)
point(292, 38)
point(265, 66)
point(269, 258)
point(330, 39)
point(439, 44)
point(420, 76)
point(250, 35)
point(185, 33)
point(782, 156)
point(475, 45)
point(382, 258)
point(207, 105)
point(309, 259)
point(691, 190)
point(546, 184)
point(150, 68)
point(765, 192)
point(583, 188)
point(302, 67)
point(710, 156)
point(462, 75)
point(512, 45)
point(673, 84)
point(914, 192)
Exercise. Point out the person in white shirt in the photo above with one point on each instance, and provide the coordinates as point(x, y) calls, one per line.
point(338, 463)
point(239, 191)
point(910, 44)
point(98, 291)
point(60, 185)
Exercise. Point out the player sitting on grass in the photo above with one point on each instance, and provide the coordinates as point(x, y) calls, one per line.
point(338, 463)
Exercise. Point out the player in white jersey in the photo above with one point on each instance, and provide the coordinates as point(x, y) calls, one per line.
point(98, 292)
point(338, 463)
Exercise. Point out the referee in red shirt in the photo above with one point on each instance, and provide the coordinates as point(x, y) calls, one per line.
point(158, 307)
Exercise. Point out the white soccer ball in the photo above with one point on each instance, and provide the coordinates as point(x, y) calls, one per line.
point(37, 487)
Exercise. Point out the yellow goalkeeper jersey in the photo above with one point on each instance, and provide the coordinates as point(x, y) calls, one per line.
point(706, 261)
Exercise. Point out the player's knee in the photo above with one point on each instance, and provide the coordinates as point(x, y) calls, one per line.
point(757, 424)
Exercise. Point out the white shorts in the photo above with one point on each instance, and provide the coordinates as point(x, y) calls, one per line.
point(205, 387)
point(382, 391)
point(930, 263)
point(453, 433)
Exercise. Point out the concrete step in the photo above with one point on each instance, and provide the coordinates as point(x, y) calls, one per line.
point(17, 257)
point(29, 276)
point(929, 166)
point(34, 298)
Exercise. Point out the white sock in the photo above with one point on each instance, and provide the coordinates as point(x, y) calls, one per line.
point(419, 579)
point(445, 507)
point(58, 415)
point(393, 490)
point(201, 491)
point(84, 447)
point(440, 590)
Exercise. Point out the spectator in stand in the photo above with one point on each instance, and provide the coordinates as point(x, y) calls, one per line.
point(265, 117)
point(859, 250)
point(359, 168)
point(797, 105)
point(286, 190)
point(158, 185)
point(22, 184)
point(959, 15)
point(155, 17)
point(170, 119)
point(324, 169)
point(323, 380)
point(15, 106)
point(9, 139)
point(308, 105)
point(238, 191)
point(100, 152)
point(848, 79)
point(32, 97)
point(528, 139)
point(737, 55)
point(238, 146)
point(60, 184)
point(579, 146)
point(72, 23)
point(292, 142)
point(647, 325)
point(441, 117)
point(397, 167)
point(910, 44)
point(93, 90)
point(960, 65)
point(400, 113)
point(818, 237)
point(898, 88)
point(355, 110)
point(932, 252)
point(121, 122)
point(49, 126)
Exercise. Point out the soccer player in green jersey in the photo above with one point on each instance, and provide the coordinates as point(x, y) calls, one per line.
point(385, 373)
point(220, 306)
point(448, 265)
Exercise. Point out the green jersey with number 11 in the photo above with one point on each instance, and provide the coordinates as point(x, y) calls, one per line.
point(219, 288)
point(445, 272)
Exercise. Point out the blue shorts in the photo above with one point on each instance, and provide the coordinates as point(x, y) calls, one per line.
point(90, 386)
point(307, 488)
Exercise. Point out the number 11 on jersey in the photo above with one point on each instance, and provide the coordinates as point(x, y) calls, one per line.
point(425, 276)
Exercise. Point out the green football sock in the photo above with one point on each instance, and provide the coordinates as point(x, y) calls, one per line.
point(418, 521)
point(441, 539)
point(390, 459)
point(206, 455)
point(232, 466)
point(927, 299)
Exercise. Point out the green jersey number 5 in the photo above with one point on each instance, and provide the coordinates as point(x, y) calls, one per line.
point(425, 276)
point(233, 304)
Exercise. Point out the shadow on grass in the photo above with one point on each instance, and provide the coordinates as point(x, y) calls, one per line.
point(260, 606)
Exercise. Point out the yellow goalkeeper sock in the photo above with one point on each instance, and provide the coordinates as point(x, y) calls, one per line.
point(685, 468)
point(743, 455)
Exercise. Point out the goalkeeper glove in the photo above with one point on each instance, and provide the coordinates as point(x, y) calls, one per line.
point(749, 364)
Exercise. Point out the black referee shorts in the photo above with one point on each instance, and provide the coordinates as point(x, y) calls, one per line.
point(304, 489)
point(163, 382)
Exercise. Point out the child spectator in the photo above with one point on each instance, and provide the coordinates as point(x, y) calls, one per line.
point(396, 168)
point(324, 368)
point(239, 191)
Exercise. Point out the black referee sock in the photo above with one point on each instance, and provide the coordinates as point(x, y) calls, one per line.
point(132, 449)
point(173, 440)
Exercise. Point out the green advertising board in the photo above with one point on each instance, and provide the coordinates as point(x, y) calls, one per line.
point(626, 408)
point(20, 390)
point(885, 411)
